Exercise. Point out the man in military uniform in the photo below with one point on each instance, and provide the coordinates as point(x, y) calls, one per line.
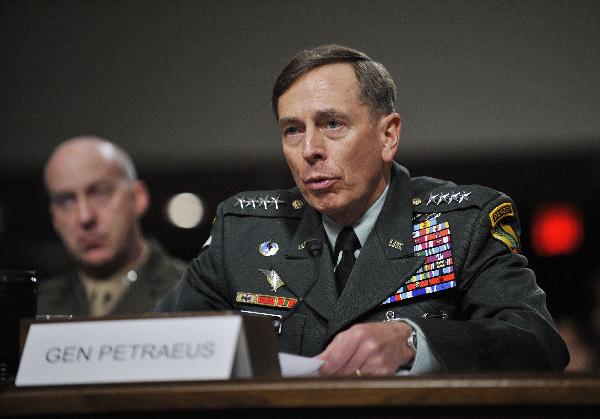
point(361, 265)
point(96, 203)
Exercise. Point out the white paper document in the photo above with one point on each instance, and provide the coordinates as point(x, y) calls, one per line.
point(298, 366)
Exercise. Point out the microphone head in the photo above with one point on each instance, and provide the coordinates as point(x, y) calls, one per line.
point(314, 247)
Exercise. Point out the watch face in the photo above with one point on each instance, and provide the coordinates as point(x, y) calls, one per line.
point(411, 341)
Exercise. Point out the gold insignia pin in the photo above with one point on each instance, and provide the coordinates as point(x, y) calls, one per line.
point(416, 201)
point(272, 278)
point(297, 204)
point(301, 246)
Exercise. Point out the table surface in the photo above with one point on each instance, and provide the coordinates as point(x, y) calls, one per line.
point(549, 390)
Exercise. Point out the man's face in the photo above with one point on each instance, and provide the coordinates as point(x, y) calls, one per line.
point(95, 210)
point(338, 153)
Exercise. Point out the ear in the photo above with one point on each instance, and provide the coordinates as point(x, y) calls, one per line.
point(141, 197)
point(390, 126)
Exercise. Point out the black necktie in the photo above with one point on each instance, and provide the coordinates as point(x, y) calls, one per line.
point(347, 243)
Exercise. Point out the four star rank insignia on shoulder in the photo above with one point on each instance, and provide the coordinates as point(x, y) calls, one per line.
point(448, 197)
point(264, 202)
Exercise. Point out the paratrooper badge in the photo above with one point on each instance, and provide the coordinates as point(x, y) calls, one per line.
point(273, 278)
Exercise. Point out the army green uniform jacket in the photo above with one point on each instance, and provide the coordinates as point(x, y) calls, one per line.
point(444, 256)
point(65, 294)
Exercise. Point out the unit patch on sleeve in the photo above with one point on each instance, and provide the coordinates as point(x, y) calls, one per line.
point(432, 240)
point(504, 232)
point(501, 211)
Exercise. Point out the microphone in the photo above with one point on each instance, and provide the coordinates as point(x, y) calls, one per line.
point(314, 247)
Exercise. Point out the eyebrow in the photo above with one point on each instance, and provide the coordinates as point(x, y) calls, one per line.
point(59, 196)
point(329, 113)
point(319, 115)
point(287, 121)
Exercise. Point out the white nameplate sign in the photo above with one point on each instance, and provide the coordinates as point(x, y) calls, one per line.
point(139, 350)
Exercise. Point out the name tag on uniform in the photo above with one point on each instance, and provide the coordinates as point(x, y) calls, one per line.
point(137, 350)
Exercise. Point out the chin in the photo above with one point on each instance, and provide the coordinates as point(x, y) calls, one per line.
point(97, 259)
point(328, 208)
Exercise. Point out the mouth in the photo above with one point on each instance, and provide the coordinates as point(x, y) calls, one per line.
point(320, 183)
point(91, 242)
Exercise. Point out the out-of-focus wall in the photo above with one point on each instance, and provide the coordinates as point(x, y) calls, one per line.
point(188, 82)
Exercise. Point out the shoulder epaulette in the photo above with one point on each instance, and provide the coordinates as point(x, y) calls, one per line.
point(277, 203)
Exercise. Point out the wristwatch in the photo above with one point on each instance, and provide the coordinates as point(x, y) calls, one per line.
point(411, 340)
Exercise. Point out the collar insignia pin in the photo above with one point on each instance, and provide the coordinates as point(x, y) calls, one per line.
point(395, 244)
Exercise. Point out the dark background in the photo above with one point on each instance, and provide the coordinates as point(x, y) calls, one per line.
point(500, 93)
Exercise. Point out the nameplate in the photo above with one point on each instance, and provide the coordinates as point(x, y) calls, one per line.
point(134, 350)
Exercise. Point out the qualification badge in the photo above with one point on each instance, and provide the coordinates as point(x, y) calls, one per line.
point(268, 248)
point(272, 278)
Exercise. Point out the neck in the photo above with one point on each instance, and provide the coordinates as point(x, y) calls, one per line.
point(128, 259)
point(349, 215)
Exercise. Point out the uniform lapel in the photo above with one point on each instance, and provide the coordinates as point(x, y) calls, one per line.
point(297, 272)
point(386, 260)
point(75, 297)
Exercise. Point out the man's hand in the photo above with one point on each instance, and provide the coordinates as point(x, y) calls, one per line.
point(368, 349)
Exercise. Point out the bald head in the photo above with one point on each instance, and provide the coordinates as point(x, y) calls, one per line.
point(73, 150)
point(96, 203)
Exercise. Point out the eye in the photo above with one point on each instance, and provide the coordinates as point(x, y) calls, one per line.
point(64, 202)
point(291, 131)
point(333, 124)
point(101, 192)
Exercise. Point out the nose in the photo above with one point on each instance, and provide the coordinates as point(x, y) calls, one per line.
point(85, 212)
point(313, 148)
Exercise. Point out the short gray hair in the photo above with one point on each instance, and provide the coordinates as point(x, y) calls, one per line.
point(377, 87)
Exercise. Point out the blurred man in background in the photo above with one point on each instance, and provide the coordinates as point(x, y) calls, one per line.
point(96, 203)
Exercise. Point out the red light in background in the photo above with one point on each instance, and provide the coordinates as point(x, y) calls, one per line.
point(557, 229)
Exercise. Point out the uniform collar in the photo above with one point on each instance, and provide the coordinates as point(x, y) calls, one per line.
point(394, 225)
point(362, 227)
